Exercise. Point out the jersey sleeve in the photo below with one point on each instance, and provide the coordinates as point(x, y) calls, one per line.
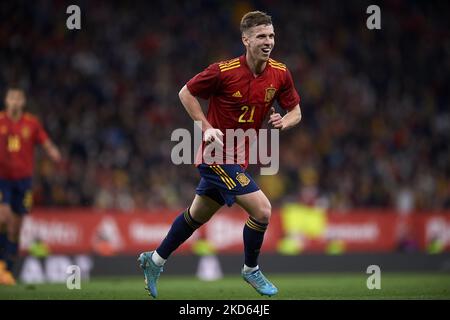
point(40, 134)
point(205, 83)
point(288, 97)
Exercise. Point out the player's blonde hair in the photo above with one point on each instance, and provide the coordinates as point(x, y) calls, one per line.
point(253, 19)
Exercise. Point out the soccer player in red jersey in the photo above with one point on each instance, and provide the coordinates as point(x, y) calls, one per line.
point(20, 132)
point(241, 93)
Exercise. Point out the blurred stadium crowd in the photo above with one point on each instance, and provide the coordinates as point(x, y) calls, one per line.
point(376, 116)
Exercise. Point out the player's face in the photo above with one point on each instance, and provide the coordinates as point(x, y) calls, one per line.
point(15, 100)
point(259, 42)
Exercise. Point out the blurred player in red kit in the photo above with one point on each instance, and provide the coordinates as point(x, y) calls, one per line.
point(20, 132)
point(241, 93)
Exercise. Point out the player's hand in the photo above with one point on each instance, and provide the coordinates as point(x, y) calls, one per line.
point(55, 155)
point(52, 151)
point(213, 135)
point(275, 119)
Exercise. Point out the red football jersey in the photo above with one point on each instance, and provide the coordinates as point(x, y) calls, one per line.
point(238, 99)
point(17, 141)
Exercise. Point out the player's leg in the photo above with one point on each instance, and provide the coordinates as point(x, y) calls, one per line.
point(237, 186)
point(200, 211)
point(259, 209)
point(5, 216)
point(7, 252)
point(234, 185)
point(21, 202)
point(12, 245)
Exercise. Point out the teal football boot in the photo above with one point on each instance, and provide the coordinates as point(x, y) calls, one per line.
point(258, 281)
point(151, 272)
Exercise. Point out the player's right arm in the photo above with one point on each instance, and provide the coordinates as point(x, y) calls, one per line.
point(203, 85)
point(194, 109)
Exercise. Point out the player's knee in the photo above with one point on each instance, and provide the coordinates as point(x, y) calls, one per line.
point(200, 213)
point(3, 209)
point(264, 212)
point(5, 213)
point(202, 209)
point(14, 230)
point(13, 235)
point(201, 217)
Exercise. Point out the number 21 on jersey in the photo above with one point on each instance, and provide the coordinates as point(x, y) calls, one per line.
point(244, 117)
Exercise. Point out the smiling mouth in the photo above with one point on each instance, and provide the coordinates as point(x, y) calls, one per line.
point(265, 50)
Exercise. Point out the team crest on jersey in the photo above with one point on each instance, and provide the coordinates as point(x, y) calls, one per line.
point(3, 130)
point(26, 132)
point(270, 93)
point(242, 179)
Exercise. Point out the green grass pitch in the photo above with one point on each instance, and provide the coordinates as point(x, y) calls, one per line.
point(291, 286)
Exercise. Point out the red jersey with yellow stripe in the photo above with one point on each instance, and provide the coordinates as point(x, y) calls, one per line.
point(17, 142)
point(238, 99)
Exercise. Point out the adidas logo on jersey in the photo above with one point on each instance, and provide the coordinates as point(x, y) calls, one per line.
point(237, 94)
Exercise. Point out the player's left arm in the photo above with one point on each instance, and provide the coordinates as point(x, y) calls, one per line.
point(52, 150)
point(290, 119)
